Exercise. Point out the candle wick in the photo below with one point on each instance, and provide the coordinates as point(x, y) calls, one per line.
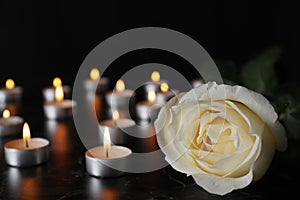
point(26, 143)
point(106, 153)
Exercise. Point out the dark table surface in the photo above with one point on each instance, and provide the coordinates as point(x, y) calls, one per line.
point(64, 175)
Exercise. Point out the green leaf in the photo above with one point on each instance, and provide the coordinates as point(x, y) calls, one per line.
point(228, 70)
point(291, 121)
point(259, 74)
point(288, 106)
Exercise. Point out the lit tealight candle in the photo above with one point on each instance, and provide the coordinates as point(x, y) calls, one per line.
point(10, 125)
point(61, 108)
point(26, 152)
point(155, 82)
point(117, 128)
point(197, 82)
point(95, 83)
point(121, 97)
point(49, 92)
point(100, 159)
point(11, 92)
point(165, 94)
point(146, 110)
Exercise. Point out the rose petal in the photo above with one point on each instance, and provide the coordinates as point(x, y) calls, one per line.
point(174, 150)
point(254, 101)
point(263, 162)
point(222, 185)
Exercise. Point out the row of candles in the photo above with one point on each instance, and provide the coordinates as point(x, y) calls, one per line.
point(34, 151)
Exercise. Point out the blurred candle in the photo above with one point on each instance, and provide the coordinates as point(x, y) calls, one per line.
point(121, 97)
point(96, 83)
point(146, 110)
point(10, 125)
point(165, 94)
point(49, 92)
point(10, 92)
point(61, 108)
point(117, 128)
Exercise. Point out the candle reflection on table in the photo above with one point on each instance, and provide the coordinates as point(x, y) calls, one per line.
point(60, 136)
point(104, 188)
point(95, 103)
point(24, 184)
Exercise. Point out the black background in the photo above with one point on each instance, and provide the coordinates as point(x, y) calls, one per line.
point(43, 39)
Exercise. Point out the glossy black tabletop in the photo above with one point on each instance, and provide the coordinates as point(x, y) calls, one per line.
point(64, 175)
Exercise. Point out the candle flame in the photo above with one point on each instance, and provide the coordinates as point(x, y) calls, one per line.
point(120, 85)
point(151, 96)
point(56, 82)
point(9, 84)
point(164, 87)
point(26, 132)
point(115, 115)
point(59, 93)
point(106, 139)
point(94, 74)
point(155, 76)
point(6, 114)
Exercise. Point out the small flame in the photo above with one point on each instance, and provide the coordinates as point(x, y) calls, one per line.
point(59, 93)
point(6, 114)
point(26, 132)
point(94, 74)
point(106, 139)
point(120, 85)
point(164, 87)
point(115, 115)
point(56, 82)
point(9, 84)
point(155, 76)
point(151, 96)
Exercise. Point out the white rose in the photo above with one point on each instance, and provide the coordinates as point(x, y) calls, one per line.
point(224, 136)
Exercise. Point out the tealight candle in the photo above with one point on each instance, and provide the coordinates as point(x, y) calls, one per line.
point(26, 152)
point(165, 94)
point(49, 92)
point(154, 84)
point(95, 83)
point(146, 110)
point(121, 97)
point(10, 92)
point(197, 82)
point(59, 109)
point(100, 159)
point(117, 128)
point(10, 125)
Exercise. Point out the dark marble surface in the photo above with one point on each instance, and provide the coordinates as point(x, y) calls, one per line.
point(64, 175)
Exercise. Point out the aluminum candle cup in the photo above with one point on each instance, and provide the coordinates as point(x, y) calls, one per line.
point(59, 110)
point(11, 126)
point(147, 111)
point(49, 93)
point(163, 97)
point(18, 155)
point(98, 165)
point(14, 94)
point(119, 99)
point(99, 85)
point(117, 135)
point(197, 82)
